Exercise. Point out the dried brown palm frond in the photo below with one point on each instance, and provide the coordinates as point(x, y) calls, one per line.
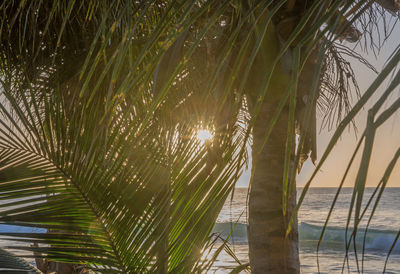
point(377, 24)
point(339, 87)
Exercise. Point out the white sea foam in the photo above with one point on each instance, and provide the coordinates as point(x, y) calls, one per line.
point(309, 235)
point(312, 215)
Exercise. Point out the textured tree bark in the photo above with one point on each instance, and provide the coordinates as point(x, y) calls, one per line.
point(269, 250)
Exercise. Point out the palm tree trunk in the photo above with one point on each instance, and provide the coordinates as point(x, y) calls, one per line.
point(269, 250)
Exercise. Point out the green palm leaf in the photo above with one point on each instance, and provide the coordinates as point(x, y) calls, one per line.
point(90, 155)
point(13, 264)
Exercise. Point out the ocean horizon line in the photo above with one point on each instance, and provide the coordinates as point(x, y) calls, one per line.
point(347, 187)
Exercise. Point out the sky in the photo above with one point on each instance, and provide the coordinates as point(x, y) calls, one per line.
point(387, 140)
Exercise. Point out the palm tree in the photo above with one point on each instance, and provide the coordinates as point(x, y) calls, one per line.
point(101, 102)
point(283, 74)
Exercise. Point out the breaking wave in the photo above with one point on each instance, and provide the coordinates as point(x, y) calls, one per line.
point(309, 234)
point(334, 237)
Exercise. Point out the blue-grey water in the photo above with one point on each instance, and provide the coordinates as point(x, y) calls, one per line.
point(379, 239)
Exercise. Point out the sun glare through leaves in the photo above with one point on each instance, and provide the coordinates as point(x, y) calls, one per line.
point(204, 135)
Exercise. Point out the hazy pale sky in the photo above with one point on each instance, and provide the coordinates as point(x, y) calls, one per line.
point(387, 139)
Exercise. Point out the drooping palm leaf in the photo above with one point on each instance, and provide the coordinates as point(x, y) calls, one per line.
point(12, 263)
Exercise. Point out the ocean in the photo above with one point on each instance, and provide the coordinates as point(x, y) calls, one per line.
point(382, 232)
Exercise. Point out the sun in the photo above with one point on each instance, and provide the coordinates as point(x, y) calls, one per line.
point(204, 135)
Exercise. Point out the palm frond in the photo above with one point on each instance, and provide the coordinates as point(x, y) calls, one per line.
point(12, 263)
point(94, 156)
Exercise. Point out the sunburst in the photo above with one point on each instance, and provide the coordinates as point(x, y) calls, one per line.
point(204, 136)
